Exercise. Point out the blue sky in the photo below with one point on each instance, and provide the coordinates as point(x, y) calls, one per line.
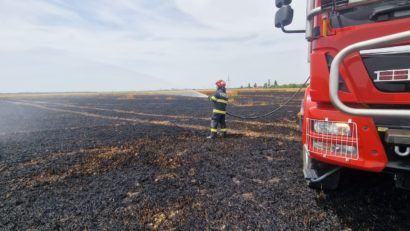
point(84, 45)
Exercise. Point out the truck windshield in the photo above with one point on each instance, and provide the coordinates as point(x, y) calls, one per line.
point(372, 12)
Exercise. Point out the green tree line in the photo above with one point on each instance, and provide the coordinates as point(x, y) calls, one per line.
point(275, 84)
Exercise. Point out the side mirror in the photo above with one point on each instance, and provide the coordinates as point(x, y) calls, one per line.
point(280, 3)
point(283, 17)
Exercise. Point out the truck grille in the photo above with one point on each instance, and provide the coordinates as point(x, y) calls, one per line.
point(389, 69)
point(327, 144)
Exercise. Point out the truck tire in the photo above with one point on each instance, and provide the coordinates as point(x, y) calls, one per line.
point(329, 183)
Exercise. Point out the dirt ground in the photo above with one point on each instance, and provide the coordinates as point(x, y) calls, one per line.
point(142, 162)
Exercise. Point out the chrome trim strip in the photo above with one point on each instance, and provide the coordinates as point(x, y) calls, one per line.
point(309, 22)
point(387, 50)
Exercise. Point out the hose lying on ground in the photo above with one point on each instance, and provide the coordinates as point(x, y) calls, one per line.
point(276, 109)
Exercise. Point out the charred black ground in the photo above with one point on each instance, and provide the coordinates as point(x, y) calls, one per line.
point(142, 162)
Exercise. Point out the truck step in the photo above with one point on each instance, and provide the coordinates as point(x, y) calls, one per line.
point(398, 136)
point(310, 174)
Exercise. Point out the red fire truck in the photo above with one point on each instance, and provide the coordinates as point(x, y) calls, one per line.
point(356, 110)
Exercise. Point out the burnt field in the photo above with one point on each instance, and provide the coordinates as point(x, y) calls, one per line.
point(140, 162)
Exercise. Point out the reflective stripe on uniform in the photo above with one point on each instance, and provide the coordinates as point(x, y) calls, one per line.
point(216, 111)
point(213, 98)
point(222, 101)
point(214, 130)
point(224, 130)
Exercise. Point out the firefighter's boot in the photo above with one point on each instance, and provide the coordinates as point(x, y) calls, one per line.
point(212, 136)
point(214, 129)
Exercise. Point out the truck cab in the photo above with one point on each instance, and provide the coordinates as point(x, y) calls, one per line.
point(356, 110)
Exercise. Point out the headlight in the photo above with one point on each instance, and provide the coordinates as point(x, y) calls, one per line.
point(332, 128)
point(335, 148)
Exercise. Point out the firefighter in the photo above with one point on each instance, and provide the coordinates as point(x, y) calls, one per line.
point(220, 101)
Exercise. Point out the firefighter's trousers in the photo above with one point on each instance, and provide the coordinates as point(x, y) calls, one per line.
point(218, 120)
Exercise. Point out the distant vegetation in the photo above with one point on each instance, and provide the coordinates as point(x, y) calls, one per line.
point(274, 85)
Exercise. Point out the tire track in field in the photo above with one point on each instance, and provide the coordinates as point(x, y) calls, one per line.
point(157, 122)
point(281, 124)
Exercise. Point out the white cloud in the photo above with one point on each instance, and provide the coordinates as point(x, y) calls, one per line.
point(183, 43)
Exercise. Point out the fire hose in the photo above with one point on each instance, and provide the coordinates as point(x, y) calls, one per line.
point(276, 109)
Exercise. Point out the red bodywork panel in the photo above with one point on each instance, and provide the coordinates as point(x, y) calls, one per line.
point(353, 70)
point(372, 156)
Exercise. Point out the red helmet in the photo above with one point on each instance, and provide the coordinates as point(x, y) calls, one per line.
point(221, 84)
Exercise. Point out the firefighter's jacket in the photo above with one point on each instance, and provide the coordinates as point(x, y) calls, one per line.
point(220, 101)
